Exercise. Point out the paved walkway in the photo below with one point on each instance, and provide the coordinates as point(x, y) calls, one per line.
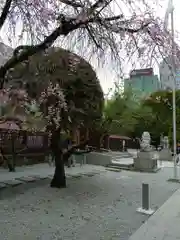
point(114, 196)
point(164, 224)
point(44, 170)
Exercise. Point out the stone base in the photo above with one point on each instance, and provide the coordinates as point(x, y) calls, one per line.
point(145, 162)
point(13, 182)
point(174, 180)
point(165, 155)
point(113, 169)
point(149, 170)
point(144, 211)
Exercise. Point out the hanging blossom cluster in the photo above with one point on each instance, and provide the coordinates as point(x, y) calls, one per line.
point(13, 102)
point(4, 97)
point(92, 27)
point(53, 101)
point(13, 96)
point(36, 16)
point(73, 62)
point(151, 45)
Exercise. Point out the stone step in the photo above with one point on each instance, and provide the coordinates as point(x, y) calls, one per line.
point(122, 156)
point(113, 169)
point(123, 166)
point(122, 160)
point(125, 161)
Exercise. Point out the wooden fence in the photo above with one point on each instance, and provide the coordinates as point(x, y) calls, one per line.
point(22, 144)
point(22, 141)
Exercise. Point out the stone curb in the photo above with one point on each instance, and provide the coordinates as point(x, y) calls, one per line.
point(163, 224)
point(10, 188)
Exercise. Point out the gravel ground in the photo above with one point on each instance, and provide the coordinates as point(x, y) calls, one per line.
point(95, 207)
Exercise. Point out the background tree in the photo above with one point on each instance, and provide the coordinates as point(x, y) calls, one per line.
point(16, 105)
point(130, 116)
point(74, 75)
point(118, 112)
point(161, 105)
point(52, 108)
point(144, 120)
point(92, 26)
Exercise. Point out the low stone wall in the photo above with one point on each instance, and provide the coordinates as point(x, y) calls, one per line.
point(95, 158)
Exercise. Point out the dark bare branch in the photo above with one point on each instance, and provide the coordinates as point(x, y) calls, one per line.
point(5, 12)
point(22, 53)
point(72, 3)
point(27, 51)
point(99, 4)
point(94, 22)
point(93, 37)
point(118, 29)
point(114, 18)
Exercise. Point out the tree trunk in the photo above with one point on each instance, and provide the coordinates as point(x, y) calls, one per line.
point(13, 162)
point(6, 160)
point(59, 179)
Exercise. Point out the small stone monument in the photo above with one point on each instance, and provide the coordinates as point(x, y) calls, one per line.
point(146, 160)
point(145, 142)
point(123, 144)
point(166, 142)
point(165, 154)
point(161, 140)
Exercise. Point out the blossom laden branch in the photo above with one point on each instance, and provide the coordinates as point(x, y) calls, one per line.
point(22, 53)
point(27, 51)
point(90, 21)
point(117, 29)
point(65, 27)
point(54, 105)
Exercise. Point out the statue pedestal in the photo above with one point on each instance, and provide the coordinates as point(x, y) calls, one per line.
point(165, 155)
point(146, 162)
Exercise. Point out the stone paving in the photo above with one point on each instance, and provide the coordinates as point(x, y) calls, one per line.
point(33, 172)
point(98, 205)
point(164, 224)
point(36, 175)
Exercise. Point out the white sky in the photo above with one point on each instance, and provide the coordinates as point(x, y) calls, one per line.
point(107, 76)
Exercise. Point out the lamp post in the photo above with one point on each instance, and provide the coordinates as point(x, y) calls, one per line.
point(174, 95)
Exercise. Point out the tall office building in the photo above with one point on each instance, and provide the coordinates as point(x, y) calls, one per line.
point(142, 82)
point(166, 74)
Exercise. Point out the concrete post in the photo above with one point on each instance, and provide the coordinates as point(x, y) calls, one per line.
point(145, 196)
point(145, 209)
